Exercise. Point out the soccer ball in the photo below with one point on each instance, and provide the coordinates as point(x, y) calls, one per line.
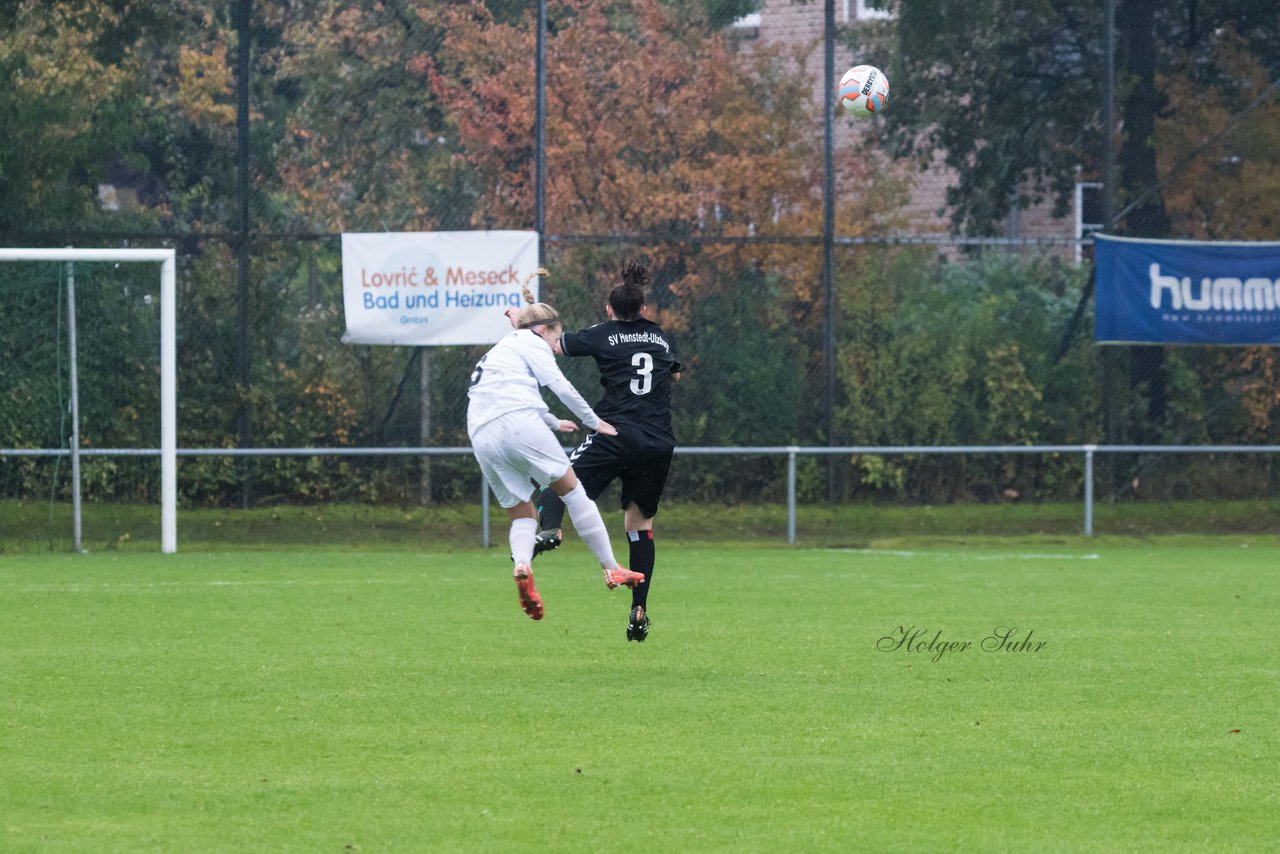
point(864, 91)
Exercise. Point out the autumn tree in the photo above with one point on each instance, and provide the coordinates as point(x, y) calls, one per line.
point(669, 132)
point(650, 128)
point(1221, 148)
point(1221, 151)
point(66, 102)
point(360, 146)
point(1012, 94)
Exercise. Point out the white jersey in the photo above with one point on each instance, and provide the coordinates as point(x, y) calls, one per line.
point(508, 378)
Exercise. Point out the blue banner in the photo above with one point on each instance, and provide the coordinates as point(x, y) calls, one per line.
point(1186, 292)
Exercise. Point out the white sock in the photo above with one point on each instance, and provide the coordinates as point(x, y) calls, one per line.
point(521, 538)
point(590, 526)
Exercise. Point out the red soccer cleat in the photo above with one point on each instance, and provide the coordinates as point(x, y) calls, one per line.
point(530, 601)
point(622, 577)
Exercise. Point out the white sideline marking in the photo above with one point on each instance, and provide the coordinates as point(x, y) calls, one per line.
point(969, 556)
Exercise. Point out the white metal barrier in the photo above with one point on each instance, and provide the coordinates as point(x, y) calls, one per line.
point(792, 453)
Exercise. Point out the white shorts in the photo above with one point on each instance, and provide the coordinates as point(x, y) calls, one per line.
point(517, 448)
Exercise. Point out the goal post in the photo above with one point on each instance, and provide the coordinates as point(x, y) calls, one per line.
point(167, 258)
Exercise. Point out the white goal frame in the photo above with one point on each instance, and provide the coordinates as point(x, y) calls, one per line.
point(167, 258)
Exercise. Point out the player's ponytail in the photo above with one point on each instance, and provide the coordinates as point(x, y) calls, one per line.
point(535, 313)
point(627, 299)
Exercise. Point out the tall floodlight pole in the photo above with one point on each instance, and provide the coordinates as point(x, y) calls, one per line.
point(245, 9)
point(1108, 198)
point(828, 230)
point(1109, 124)
point(540, 133)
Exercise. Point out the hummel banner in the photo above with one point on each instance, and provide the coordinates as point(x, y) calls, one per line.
point(1186, 292)
point(433, 288)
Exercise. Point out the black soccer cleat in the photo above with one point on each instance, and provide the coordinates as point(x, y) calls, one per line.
point(546, 541)
point(638, 625)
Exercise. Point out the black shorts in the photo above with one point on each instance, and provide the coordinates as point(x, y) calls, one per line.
point(640, 460)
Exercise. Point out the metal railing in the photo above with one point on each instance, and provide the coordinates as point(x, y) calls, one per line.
point(792, 453)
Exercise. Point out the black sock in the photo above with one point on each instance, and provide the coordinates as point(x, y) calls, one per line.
point(550, 510)
point(642, 559)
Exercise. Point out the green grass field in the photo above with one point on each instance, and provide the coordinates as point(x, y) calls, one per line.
point(397, 700)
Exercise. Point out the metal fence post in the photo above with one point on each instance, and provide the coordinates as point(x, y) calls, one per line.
point(1088, 489)
point(484, 512)
point(73, 382)
point(791, 494)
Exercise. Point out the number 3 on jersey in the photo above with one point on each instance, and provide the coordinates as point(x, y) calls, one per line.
point(643, 383)
point(475, 375)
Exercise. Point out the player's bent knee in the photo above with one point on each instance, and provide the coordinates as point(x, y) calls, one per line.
point(565, 484)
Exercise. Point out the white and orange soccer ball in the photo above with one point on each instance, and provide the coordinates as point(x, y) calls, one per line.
point(864, 91)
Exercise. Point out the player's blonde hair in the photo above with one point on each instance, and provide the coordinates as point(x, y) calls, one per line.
point(536, 313)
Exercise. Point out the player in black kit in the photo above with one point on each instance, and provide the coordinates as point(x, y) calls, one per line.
point(637, 363)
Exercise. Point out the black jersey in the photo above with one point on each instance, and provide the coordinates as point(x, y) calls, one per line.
point(636, 360)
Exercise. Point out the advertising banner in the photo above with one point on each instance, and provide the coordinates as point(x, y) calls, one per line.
point(434, 288)
point(1186, 292)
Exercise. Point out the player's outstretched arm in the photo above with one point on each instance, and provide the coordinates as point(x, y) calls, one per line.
point(567, 426)
point(549, 375)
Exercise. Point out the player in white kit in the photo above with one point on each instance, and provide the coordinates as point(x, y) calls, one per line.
point(511, 435)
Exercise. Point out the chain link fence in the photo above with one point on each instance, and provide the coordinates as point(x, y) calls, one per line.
point(819, 286)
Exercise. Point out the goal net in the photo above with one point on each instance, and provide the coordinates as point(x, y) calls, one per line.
point(87, 396)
